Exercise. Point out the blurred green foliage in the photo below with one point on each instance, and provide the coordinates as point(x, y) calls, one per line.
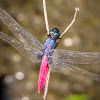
point(78, 97)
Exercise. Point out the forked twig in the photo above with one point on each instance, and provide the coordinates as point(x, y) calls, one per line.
point(77, 9)
point(46, 84)
point(45, 15)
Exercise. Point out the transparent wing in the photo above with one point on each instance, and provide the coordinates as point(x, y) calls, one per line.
point(24, 49)
point(23, 35)
point(67, 69)
point(76, 57)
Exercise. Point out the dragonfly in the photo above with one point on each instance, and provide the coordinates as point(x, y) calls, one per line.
point(52, 60)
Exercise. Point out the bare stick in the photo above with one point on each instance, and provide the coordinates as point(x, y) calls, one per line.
point(46, 85)
point(77, 9)
point(45, 15)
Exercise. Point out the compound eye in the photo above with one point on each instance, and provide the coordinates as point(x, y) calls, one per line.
point(56, 30)
point(55, 34)
point(51, 32)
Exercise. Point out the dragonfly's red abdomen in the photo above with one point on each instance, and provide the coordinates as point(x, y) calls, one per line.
point(43, 73)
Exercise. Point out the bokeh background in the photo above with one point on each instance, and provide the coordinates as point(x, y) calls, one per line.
point(19, 76)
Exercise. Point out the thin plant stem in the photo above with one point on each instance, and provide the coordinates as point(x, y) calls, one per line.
point(46, 84)
point(76, 10)
point(45, 16)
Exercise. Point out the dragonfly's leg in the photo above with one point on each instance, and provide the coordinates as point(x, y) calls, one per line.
point(50, 60)
point(50, 55)
point(40, 55)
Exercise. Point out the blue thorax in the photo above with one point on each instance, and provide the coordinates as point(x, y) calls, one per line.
point(51, 41)
point(49, 44)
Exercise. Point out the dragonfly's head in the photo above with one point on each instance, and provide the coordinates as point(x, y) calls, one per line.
point(54, 32)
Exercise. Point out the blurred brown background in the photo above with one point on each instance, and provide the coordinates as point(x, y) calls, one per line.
point(19, 76)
